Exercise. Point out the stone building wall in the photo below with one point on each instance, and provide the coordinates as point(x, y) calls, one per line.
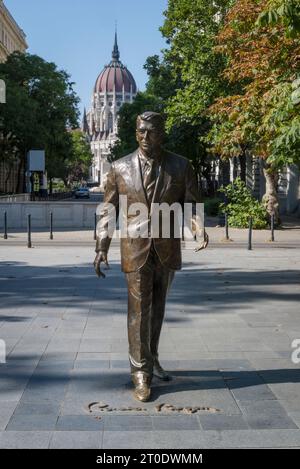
point(12, 38)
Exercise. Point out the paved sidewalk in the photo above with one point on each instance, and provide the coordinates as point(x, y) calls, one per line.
point(231, 318)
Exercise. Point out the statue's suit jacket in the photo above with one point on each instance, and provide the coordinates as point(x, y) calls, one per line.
point(176, 182)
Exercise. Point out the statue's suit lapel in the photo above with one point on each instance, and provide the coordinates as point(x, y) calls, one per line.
point(136, 177)
point(161, 180)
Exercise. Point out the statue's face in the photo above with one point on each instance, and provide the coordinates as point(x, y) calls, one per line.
point(149, 138)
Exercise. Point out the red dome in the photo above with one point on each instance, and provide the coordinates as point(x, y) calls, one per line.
point(115, 76)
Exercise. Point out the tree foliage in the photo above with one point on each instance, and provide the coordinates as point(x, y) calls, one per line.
point(77, 167)
point(285, 12)
point(191, 28)
point(41, 106)
point(128, 114)
point(265, 115)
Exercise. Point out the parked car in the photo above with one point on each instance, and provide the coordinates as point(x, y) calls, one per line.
point(82, 193)
point(95, 190)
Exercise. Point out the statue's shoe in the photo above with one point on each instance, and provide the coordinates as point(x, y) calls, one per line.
point(159, 372)
point(142, 390)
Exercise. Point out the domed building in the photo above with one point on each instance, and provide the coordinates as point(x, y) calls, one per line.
point(114, 86)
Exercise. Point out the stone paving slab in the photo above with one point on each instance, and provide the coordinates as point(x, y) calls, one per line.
point(76, 440)
point(24, 440)
point(230, 321)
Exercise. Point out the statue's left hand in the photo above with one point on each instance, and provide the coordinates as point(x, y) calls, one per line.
point(100, 257)
point(204, 243)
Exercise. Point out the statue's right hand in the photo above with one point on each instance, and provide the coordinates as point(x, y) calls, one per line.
point(100, 257)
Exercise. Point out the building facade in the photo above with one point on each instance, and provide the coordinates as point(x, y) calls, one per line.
point(12, 37)
point(114, 86)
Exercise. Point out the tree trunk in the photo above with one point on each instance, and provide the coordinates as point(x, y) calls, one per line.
point(243, 166)
point(270, 199)
point(8, 174)
point(21, 179)
point(66, 182)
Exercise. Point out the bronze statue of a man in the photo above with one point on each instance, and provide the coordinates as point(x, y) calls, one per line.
point(150, 175)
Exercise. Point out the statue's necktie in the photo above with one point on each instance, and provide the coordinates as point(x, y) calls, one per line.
point(149, 178)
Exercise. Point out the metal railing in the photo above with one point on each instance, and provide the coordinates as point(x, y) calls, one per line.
point(51, 227)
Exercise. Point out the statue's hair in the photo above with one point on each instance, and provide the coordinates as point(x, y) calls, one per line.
point(155, 118)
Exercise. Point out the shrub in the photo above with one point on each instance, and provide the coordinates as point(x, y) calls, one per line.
point(241, 205)
point(59, 186)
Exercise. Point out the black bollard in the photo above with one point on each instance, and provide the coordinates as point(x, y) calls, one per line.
point(5, 225)
point(226, 227)
point(29, 245)
point(51, 225)
point(272, 227)
point(95, 228)
point(250, 234)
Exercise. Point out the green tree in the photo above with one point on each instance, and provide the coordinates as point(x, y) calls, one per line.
point(264, 116)
point(285, 12)
point(77, 166)
point(126, 142)
point(41, 107)
point(162, 82)
point(191, 28)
